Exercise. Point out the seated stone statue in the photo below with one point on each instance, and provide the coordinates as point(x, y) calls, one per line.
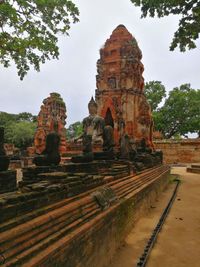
point(108, 145)
point(133, 149)
point(143, 148)
point(124, 146)
point(91, 128)
point(94, 130)
point(50, 155)
point(108, 138)
point(144, 154)
point(94, 124)
point(4, 160)
point(87, 155)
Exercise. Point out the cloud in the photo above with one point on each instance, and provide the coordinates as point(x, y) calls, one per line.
point(73, 75)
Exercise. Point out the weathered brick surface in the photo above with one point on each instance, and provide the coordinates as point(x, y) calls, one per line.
point(77, 232)
point(95, 244)
point(42, 186)
point(120, 87)
point(51, 118)
point(183, 151)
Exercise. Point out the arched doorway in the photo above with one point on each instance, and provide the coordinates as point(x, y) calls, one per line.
point(109, 118)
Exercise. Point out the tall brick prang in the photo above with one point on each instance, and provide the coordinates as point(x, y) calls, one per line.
point(51, 118)
point(120, 87)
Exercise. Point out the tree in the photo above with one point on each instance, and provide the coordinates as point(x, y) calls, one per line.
point(155, 92)
point(19, 128)
point(6, 118)
point(21, 134)
point(189, 23)
point(26, 116)
point(74, 130)
point(29, 30)
point(180, 113)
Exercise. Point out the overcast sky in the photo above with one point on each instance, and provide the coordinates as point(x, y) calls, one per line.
point(73, 75)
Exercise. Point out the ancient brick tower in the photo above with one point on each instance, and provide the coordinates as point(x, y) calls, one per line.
point(120, 87)
point(51, 118)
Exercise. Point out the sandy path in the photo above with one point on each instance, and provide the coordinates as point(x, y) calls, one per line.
point(178, 244)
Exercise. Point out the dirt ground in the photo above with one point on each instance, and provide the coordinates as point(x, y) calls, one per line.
point(178, 243)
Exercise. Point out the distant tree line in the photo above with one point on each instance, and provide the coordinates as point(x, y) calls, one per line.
point(177, 114)
point(19, 128)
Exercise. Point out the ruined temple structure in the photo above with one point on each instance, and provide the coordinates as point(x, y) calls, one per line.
point(51, 118)
point(120, 87)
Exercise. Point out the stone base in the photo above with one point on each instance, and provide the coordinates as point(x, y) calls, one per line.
point(8, 181)
point(195, 168)
point(83, 158)
point(104, 155)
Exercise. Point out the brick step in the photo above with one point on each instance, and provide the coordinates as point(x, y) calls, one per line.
point(32, 199)
point(36, 248)
point(30, 239)
point(140, 185)
point(193, 170)
point(196, 166)
point(54, 249)
point(134, 184)
point(42, 231)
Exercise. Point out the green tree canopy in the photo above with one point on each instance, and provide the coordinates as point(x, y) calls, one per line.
point(29, 29)
point(21, 134)
point(155, 92)
point(180, 113)
point(74, 130)
point(6, 118)
point(19, 128)
point(189, 23)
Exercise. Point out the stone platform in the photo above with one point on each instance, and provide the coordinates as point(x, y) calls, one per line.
point(83, 230)
point(195, 168)
point(41, 186)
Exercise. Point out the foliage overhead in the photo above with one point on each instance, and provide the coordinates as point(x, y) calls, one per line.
point(180, 113)
point(29, 29)
point(154, 92)
point(189, 23)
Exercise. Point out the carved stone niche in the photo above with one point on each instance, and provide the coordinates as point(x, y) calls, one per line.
point(112, 82)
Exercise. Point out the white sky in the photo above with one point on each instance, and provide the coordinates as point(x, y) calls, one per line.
point(73, 75)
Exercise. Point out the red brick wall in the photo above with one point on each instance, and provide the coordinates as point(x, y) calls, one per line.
point(183, 151)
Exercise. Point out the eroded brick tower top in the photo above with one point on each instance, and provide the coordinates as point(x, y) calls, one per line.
point(119, 66)
point(51, 118)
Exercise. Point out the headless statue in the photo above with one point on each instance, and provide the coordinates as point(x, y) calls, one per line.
point(50, 155)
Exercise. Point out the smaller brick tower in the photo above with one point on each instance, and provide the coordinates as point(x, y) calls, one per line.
point(120, 87)
point(51, 118)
